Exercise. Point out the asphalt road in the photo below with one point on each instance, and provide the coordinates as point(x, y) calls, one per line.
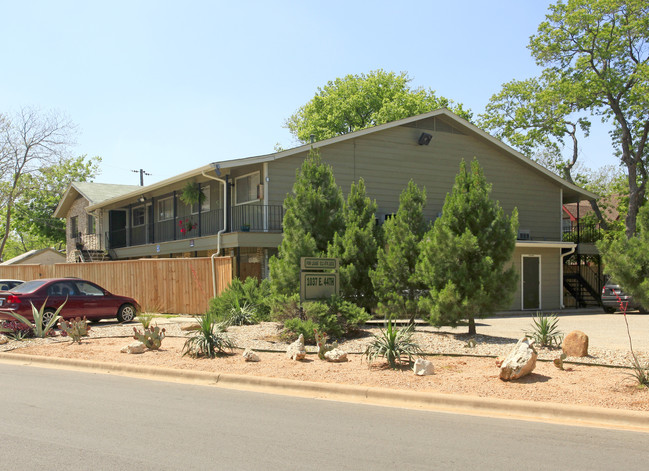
point(58, 419)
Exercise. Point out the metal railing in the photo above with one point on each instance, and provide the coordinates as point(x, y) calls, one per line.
point(88, 241)
point(582, 233)
point(246, 218)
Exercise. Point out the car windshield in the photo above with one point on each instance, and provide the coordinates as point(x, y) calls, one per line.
point(28, 286)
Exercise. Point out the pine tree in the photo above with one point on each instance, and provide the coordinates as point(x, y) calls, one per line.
point(313, 215)
point(464, 256)
point(394, 279)
point(356, 247)
point(627, 260)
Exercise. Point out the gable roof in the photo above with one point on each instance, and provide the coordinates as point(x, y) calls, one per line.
point(95, 193)
point(18, 259)
point(573, 192)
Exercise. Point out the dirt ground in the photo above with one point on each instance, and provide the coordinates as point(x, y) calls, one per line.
point(579, 384)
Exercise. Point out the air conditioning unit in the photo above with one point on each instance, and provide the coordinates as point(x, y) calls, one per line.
point(524, 234)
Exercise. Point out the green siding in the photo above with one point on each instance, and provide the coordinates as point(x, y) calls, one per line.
point(387, 160)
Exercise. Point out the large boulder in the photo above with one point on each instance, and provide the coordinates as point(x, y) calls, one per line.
point(520, 361)
point(575, 344)
point(423, 367)
point(296, 351)
point(335, 355)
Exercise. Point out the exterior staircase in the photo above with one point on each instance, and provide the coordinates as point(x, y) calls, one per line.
point(83, 256)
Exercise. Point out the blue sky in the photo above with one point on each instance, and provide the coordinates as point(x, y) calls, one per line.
point(171, 86)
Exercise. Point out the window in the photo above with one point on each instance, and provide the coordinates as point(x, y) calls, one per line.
point(88, 289)
point(246, 188)
point(165, 209)
point(138, 216)
point(91, 229)
point(74, 226)
point(206, 202)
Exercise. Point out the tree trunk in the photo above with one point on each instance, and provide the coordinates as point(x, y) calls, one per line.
point(471, 326)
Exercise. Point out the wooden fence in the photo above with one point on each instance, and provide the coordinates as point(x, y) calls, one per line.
point(172, 285)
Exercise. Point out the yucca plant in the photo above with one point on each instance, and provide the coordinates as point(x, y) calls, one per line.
point(545, 330)
point(241, 315)
point(43, 321)
point(145, 319)
point(393, 344)
point(209, 340)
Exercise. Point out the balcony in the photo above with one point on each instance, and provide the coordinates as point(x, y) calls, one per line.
point(582, 233)
point(245, 218)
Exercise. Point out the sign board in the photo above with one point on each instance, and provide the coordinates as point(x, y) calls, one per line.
point(318, 278)
point(314, 263)
point(315, 285)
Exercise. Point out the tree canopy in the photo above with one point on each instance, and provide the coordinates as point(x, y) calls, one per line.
point(463, 258)
point(356, 247)
point(627, 260)
point(394, 278)
point(601, 48)
point(30, 143)
point(356, 102)
point(314, 213)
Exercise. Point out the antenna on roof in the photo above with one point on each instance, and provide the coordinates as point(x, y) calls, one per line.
point(142, 173)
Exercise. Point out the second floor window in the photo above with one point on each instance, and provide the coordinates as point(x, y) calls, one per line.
point(138, 216)
point(206, 202)
point(74, 226)
point(90, 229)
point(246, 188)
point(165, 209)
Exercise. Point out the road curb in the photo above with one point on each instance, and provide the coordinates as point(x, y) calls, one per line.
point(502, 408)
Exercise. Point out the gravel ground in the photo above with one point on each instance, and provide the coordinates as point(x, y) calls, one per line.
point(265, 336)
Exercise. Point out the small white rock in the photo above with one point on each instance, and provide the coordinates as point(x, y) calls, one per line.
point(423, 367)
point(336, 355)
point(135, 347)
point(3, 339)
point(249, 355)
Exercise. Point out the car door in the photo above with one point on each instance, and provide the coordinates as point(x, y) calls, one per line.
point(59, 293)
point(91, 298)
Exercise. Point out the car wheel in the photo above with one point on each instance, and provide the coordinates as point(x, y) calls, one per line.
point(126, 313)
point(48, 314)
point(609, 310)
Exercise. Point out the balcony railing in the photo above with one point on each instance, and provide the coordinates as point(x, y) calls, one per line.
point(245, 218)
point(582, 233)
point(88, 242)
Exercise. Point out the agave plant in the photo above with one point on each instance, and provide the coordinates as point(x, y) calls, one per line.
point(44, 321)
point(209, 340)
point(545, 330)
point(393, 344)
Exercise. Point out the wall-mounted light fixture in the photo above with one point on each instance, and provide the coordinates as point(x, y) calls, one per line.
point(424, 139)
point(141, 199)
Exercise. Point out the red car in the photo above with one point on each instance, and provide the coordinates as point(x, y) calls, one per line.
point(84, 298)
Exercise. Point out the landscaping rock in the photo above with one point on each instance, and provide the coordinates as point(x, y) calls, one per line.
point(3, 339)
point(296, 350)
point(190, 327)
point(423, 367)
point(520, 361)
point(575, 344)
point(336, 355)
point(249, 355)
point(135, 347)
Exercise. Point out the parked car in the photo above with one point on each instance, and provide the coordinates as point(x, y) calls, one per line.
point(6, 285)
point(81, 298)
point(612, 294)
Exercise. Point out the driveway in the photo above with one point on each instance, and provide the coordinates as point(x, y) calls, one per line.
point(603, 330)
